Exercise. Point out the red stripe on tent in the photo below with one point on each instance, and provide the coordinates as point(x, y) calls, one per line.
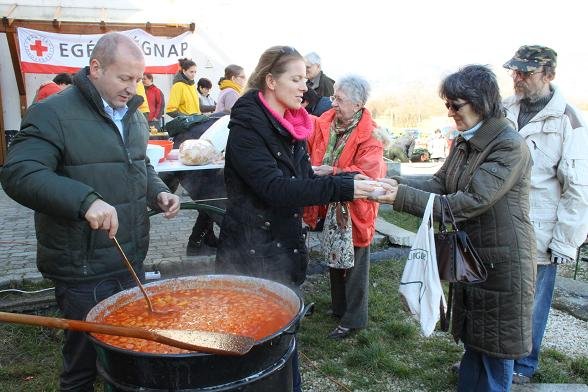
point(162, 69)
point(45, 68)
point(55, 69)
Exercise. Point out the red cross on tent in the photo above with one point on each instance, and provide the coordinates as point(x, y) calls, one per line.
point(39, 48)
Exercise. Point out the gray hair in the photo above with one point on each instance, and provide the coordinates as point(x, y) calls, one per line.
point(313, 58)
point(355, 87)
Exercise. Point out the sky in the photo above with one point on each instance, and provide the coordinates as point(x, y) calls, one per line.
point(396, 45)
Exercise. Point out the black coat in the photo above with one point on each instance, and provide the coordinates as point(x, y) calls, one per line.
point(269, 179)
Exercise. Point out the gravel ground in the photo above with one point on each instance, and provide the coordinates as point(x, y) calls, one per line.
point(566, 334)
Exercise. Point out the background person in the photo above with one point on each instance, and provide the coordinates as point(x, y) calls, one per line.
point(317, 80)
point(438, 147)
point(344, 140)
point(79, 161)
point(207, 103)
point(486, 178)
point(59, 82)
point(314, 104)
point(183, 98)
point(231, 86)
point(155, 100)
point(557, 137)
point(269, 179)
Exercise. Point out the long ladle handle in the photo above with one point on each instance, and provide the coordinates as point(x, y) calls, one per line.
point(134, 274)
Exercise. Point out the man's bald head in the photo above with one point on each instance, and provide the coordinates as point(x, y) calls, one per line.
point(110, 46)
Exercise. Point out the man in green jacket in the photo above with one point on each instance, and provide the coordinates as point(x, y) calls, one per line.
point(80, 162)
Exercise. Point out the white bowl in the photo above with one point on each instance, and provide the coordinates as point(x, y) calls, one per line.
point(155, 153)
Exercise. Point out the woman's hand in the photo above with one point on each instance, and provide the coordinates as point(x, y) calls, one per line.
point(390, 181)
point(390, 187)
point(363, 189)
point(323, 170)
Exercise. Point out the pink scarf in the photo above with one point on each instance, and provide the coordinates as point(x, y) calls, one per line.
point(297, 122)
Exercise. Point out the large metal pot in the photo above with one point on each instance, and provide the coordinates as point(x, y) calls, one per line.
point(267, 367)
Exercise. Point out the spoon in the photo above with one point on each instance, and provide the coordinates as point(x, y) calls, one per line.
point(137, 280)
point(202, 341)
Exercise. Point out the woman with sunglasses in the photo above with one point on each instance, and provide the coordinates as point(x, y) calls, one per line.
point(486, 178)
point(269, 178)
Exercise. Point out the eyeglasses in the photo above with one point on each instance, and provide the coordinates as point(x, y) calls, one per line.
point(521, 74)
point(455, 106)
point(284, 51)
point(334, 98)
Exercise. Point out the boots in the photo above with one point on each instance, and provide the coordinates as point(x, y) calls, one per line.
point(202, 241)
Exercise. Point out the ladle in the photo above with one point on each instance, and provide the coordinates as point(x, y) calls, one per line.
point(202, 341)
point(137, 280)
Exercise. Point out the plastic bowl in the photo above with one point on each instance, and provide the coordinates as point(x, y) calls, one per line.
point(166, 144)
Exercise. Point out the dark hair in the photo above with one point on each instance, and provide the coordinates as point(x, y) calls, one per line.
point(186, 64)
point(274, 61)
point(63, 78)
point(310, 96)
point(477, 85)
point(107, 48)
point(148, 76)
point(204, 83)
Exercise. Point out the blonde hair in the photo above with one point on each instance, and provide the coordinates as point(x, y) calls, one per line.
point(274, 61)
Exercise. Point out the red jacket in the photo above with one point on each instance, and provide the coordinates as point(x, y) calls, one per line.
point(46, 89)
point(362, 153)
point(155, 101)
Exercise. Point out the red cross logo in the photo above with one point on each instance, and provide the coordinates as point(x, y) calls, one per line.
point(39, 48)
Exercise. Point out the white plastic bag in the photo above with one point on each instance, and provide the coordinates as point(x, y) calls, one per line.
point(420, 287)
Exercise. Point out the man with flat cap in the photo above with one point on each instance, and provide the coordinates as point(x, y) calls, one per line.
point(558, 139)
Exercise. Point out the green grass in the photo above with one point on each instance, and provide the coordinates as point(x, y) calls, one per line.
point(391, 354)
point(401, 219)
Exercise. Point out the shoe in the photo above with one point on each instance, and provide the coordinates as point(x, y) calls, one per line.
point(520, 378)
point(199, 248)
point(340, 333)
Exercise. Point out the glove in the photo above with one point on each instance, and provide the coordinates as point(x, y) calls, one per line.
point(558, 258)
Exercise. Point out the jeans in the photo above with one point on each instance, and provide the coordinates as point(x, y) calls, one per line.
point(543, 295)
point(75, 300)
point(480, 372)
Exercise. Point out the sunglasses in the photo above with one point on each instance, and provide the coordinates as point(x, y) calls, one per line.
point(455, 106)
point(284, 51)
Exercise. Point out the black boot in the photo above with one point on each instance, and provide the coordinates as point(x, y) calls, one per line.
point(198, 247)
point(197, 243)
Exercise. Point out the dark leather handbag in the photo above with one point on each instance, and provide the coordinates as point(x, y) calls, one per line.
point(457, 260)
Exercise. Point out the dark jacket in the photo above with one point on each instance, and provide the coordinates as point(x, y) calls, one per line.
point(325, 86)
point(269, 179)
point(487, 180)
point(67, 154)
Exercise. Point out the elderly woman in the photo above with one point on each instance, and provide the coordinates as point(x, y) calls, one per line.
point(344, 141)
point(486, 180)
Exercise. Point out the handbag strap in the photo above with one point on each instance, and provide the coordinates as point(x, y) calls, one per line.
point(446, 213)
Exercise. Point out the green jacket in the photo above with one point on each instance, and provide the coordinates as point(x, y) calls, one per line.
point(67, 154)
point(487, 180)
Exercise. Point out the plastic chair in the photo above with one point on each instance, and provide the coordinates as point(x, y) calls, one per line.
point(579, 257)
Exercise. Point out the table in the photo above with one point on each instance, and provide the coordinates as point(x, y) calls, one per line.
point(170, 165)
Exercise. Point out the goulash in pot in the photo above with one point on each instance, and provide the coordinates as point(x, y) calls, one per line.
point(256, 314)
